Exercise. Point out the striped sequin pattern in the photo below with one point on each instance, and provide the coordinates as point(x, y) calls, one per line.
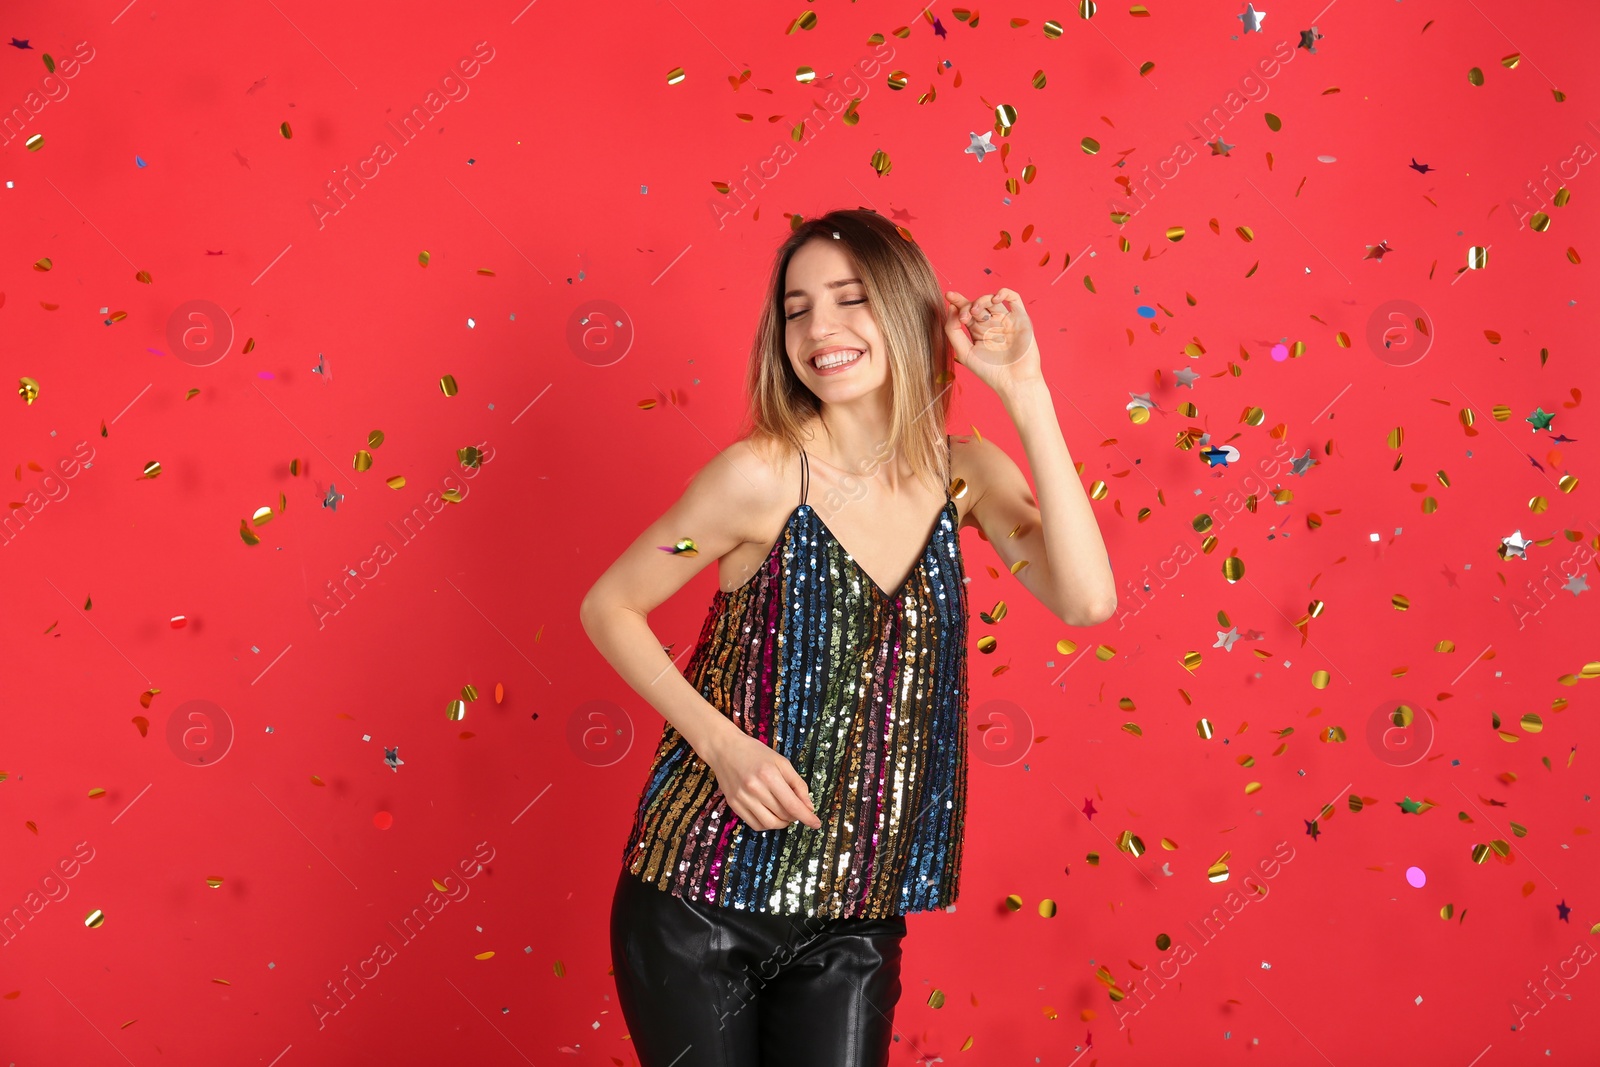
point(865, 692)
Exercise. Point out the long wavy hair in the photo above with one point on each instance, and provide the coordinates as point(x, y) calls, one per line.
point(908, 307)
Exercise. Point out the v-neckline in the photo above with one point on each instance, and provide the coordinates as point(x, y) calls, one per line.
point(916, 564)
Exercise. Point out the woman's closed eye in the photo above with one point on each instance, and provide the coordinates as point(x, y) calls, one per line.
point(843, 303)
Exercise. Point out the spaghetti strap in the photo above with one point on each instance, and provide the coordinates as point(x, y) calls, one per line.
point(805, 476)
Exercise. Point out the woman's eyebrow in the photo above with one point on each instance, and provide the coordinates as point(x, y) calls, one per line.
point(830, 285)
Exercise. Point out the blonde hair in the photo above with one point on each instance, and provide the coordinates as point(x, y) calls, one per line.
point(908, 307)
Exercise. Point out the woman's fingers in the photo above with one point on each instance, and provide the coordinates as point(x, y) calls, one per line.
point(802, 807)
point(757, 815)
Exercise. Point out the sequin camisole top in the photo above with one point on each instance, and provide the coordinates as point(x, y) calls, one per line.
point(865, 693)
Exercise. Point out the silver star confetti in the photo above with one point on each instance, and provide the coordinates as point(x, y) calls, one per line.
point(1514, 546)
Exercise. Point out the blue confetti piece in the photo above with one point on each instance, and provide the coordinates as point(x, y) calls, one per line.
point(1146, 312)
point(140, 161)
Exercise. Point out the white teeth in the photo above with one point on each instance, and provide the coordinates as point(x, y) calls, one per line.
point(834, 359)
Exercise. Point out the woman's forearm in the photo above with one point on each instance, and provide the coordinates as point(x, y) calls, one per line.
point(624, 638)
point(1074, 548)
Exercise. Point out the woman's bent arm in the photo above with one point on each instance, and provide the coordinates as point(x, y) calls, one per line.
point(623, 636)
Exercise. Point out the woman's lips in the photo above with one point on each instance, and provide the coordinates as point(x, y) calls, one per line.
point(838, 367)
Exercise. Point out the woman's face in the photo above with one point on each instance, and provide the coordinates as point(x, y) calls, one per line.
point(825, 309)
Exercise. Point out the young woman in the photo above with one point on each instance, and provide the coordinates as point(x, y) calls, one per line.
point(809, 789)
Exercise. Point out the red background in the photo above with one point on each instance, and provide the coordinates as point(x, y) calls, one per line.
point(575, 173)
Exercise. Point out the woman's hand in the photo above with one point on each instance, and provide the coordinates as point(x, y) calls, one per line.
point(1002, 352)
point(761, 786)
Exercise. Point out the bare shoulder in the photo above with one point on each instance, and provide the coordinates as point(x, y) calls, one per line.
point(729, 501)
point(972, 464)
point(753, 478)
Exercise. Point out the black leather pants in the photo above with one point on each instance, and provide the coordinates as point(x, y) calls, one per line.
point(707, 986)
